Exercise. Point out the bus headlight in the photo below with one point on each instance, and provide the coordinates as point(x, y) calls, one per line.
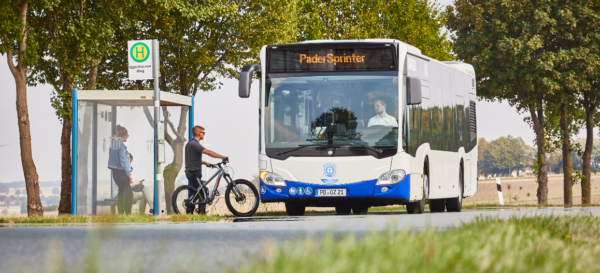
point(272, 179)
point(391, 177)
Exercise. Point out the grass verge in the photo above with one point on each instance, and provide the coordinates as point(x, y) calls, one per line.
point(520, 244)
point(108, 219)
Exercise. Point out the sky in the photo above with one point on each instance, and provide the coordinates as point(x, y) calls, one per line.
point(230, 122)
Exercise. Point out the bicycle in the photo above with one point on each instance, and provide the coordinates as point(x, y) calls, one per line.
point(241, 193)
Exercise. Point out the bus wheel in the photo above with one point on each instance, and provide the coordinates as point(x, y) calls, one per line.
point(295, 209)
point(437, 205)
point(419, 207)
point(343, 209)
point(360, 209)
point(455, 204)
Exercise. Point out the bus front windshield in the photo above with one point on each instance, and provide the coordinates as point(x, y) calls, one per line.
point(350, 114)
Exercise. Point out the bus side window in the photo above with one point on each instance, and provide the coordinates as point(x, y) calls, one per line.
point(425, 135)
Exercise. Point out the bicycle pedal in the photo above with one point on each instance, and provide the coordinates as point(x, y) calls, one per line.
point(217, 193)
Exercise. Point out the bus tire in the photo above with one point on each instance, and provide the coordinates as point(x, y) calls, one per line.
point(455, 204)
point(360, 209)
point(343, 209)
point(295, 209)
point(437, 205)
point(419, 206)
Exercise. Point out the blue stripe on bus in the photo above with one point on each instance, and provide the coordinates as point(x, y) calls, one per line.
point(359, 189)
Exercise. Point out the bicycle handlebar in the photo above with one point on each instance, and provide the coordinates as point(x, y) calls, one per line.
point(218, 165)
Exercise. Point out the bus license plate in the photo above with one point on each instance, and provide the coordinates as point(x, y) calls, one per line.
point(330, 192)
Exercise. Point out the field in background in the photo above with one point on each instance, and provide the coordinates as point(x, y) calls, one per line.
point(523, 190)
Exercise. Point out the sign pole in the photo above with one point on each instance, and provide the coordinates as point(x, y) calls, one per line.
point(157, 169)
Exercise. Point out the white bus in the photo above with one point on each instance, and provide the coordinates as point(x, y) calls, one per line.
point(359, 123)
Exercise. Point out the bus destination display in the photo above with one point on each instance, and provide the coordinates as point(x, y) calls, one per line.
point(332, 60)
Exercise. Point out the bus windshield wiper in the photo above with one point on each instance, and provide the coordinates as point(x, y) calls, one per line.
point(282, 152)
point(353, 141)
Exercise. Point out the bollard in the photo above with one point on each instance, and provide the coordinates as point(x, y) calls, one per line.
point(500, 199)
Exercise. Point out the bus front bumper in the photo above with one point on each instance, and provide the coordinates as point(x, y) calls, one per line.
point(364, 191)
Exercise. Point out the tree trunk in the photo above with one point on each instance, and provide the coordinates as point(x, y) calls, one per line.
point(542, 177)
point(64, 206)
point(34, 204)
point(172, 170)
point(586, 186)
point(19, 72)
point(566, 153)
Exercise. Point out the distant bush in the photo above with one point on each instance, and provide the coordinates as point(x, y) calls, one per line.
point(23, 207)
point(18, 192)
point(51, 208)
point(55, 191)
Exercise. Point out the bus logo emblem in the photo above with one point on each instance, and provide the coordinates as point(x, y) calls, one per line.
point(329, 171)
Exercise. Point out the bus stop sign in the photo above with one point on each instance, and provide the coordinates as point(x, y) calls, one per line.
point(140, 59)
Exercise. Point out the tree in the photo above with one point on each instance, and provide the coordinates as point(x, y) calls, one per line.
point(418, 23)
point(513, 47)
point(200, 42)
point(18, 42)
point(505, 155)
point(18, 192)
point(74, 37)
point(584, 77)
point(55, 191)
point(482, 146)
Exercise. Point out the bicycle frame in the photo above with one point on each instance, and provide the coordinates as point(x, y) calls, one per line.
point(209, 198)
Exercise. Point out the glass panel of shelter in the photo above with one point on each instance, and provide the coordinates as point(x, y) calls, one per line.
point(97, 190)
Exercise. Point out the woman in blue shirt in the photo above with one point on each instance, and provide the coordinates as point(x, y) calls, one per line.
point(118, 162)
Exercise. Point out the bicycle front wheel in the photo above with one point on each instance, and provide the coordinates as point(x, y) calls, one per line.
point(242, 198)
point(182, 203)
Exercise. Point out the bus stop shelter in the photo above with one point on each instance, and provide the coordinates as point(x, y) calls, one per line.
point(96, 116)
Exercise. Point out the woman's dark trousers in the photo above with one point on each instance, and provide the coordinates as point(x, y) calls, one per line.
point(125, 195)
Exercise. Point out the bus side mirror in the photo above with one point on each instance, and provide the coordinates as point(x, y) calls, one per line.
point(413, 91)
point(246, 79)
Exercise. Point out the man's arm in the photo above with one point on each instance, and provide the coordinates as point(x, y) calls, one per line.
point(215, 155)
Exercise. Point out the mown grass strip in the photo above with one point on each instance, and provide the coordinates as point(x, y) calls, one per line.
point(108, 219)
point(520, 244)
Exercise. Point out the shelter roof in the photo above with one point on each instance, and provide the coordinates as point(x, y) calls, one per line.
point(132, 97)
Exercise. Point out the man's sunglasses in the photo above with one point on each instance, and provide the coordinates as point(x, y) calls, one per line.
point(203, 133)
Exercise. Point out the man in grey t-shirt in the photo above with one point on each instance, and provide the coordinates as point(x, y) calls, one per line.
point(193, 160)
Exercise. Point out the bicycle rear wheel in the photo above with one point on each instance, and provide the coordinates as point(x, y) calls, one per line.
point(181, 199)
point(242, 198)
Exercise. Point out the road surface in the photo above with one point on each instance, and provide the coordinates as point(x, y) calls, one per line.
point(210, 247)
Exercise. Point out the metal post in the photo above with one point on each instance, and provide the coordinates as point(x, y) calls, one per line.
point(157, 170)
point(94, 158)
point(74, 152)
point(499, 186)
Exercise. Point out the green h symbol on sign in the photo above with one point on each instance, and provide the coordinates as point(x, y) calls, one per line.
point(139, 52)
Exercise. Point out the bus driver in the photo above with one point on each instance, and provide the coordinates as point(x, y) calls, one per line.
point(382, 118)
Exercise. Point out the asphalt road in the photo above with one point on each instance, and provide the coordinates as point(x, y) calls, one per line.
point(212, 247)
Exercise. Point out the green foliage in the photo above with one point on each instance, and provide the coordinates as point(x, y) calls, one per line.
point(520, 244)
point(73, 37)
point(419, 23)
point(504, 155)
point(200, 41)
point(11, 34)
